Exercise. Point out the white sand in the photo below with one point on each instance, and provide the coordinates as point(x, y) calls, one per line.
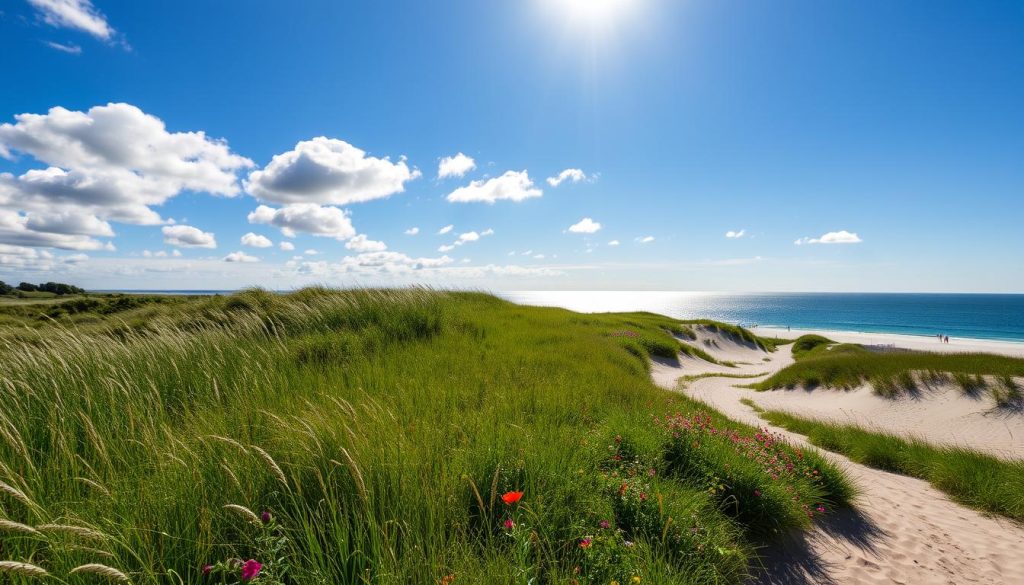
point(902, 530)
point(915, 342)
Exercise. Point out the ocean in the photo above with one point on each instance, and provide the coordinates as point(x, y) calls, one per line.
point(978, 316)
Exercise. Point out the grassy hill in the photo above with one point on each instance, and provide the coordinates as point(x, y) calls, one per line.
point(377, 436)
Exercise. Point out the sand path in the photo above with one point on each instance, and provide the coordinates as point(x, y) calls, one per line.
point(901, 531)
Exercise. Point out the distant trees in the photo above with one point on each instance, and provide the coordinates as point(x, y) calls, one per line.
point(57, 288)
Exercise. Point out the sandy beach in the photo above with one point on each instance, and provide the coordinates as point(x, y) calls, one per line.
point(914, 342)
point(902, 530)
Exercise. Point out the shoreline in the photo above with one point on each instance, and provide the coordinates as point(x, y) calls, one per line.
point(903, 340)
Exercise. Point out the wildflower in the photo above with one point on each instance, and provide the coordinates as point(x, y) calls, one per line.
point(251, 570)
point(614, 582)
point(757, 493)
point(509, 524)
point(635, 579)
point(604, 524)
point(265, 517)
point(207, 569)
point(628, 543)
point(585, 543)
point(651, 472)
point(821, 509)
point(511, 497)
point(446, 580)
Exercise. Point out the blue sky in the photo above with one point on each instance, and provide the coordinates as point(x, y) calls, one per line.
point(886, 137)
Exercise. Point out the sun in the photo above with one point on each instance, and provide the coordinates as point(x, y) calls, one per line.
point(593, 15)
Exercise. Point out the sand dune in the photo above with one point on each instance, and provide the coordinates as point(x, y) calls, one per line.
point(914, 342)
point(902, 530)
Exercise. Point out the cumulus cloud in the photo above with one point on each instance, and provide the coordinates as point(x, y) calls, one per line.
point(110, 163)
point(331, 222)
point(25, 258)
point(571, 175)
point(487, 232)
point(69, 48)
point(445, 248)
point(240, 257)
point(394, 262)
point(15, 230)
point(286, 246)
point(645, 239)
point(311, 252)
point(445, 229)
point(327, 171)
point(735, 235)
point(187, 236)
point(468, 237)
point(585, 226)
point(512, 186)
point(840, 237)
point(361, 243)
point(412, 231)
point(256, 241)
point(613, 243)
point(455, 166)
point(74, 14)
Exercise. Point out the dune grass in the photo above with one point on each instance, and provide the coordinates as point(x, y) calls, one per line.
point(974, 479)
point(892, 373)
point(738, 333)
point(386, 434)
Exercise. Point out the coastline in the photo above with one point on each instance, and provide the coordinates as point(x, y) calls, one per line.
point(904, 341)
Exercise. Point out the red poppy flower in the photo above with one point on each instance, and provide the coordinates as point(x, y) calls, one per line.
point(511, 497)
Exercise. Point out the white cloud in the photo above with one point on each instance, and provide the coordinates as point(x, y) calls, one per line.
point(572, 175)
point(389, 262)
point(110, 163)
point(240, 257)
point(75, 14)
point(455, 166)
point(538, 256)
point(645, 239)
point(286, 246)
point(487, 232)
point(445, 248)
point(15, 230)
point(361, 243)
point(445, 229)
point(176, 253)
point(468, 237)
point(613, 243)
point(328, 171)
point(256, 241)
point(840, 237)
point(187, 236)
point(585, 226)
point(735, 235)
point(70, 48)
point(24, 258)
point(332, 222)
point(412, 231)
point(512, 186)
point(311, 252)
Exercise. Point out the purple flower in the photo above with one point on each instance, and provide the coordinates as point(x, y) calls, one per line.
point(604, 524)
point(207, 569)
point(265, 517)
point(251, 570)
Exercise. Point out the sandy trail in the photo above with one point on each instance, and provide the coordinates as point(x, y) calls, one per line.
point(902, 530)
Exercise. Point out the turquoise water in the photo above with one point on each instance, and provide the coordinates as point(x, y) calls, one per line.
point(979, 316)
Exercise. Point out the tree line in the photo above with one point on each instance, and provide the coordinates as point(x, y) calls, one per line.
point(58, 288)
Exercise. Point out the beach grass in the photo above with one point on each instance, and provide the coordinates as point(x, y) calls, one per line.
point(376, 436)
point(974, 479)
point(892, 373)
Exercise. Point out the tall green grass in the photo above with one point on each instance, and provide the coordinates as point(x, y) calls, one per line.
point(980, 481)
point(892, 372)
point(379, 430)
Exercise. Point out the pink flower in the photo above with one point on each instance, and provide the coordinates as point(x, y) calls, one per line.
point(821, 509)
point(251, 570)
point(509, 524)
point(585, 543)
point(207, 569)
point(757, 493)
point(604, 524)
point(265, 517)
